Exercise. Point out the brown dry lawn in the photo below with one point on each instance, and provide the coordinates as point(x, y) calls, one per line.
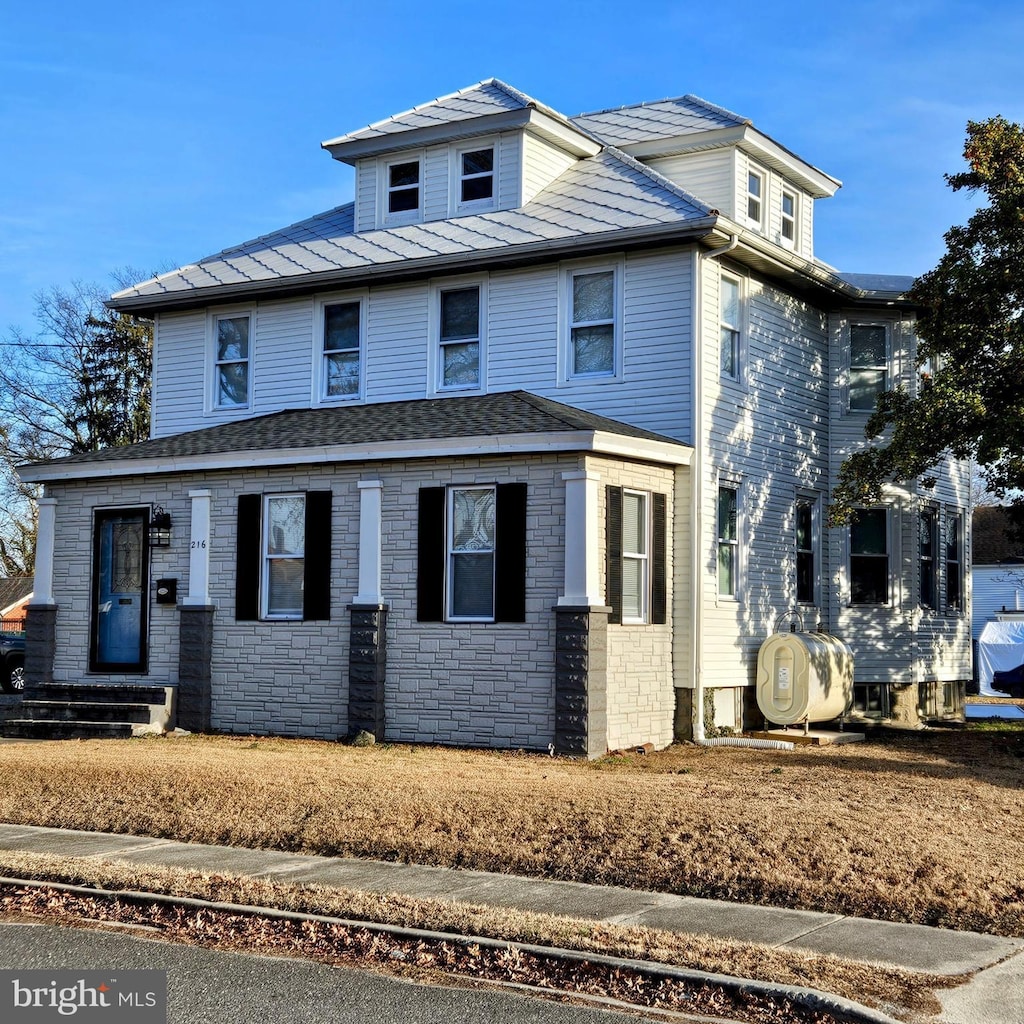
point(927, 828)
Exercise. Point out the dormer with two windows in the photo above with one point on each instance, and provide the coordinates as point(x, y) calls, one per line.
point(725, 161)
point(480, 150)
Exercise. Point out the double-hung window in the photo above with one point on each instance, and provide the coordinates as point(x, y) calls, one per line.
point(788, 214)
point(593, 324)
point(476, 175)
point(729, 319)
point(342, 329)
point(636, 556)
point(869, 557)
point(928, 544)
point(231, 361)
point(869, 362)
point(403, 187)
point(954, 562)
point(755, 197)
point(635, 562)
point(471, 553)
point(470, 544)
point(284, 540)
point(728, 540)
point(283, 556)
point(806, 570)
point(459, 338)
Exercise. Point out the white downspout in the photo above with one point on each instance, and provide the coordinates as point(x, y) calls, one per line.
point(697, 515)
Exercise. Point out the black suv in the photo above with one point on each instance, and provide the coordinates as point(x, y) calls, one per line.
point(12, 662)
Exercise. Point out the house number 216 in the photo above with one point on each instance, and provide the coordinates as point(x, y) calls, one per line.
point(198, 544)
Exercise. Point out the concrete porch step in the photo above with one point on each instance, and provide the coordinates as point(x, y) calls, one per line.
point(23, 728)
point(96, 693)
point(79, 711)
point(90, 710)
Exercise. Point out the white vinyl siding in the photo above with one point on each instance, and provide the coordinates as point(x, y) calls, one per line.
point(520, 320)
point(932, 645)
point(708, 176)
point(773, 435)
point(179, 373)
point(542, 164)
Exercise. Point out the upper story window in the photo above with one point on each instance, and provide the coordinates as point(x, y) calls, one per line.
point(592, 339)
point(476, 175)
point(869, 557)
point(231, 361)
point(729, 317)
point(869, 365)
point(928, 544)
point(342, 350)
point(459, 338)
point(788, 213)
point(403, 187)
point(755, 196)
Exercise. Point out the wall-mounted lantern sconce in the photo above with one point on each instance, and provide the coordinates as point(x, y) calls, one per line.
point(160, 528)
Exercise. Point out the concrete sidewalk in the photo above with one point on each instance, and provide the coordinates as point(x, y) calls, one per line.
point(994, 996)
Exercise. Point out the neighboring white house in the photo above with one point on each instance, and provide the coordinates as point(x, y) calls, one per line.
point(530, 444)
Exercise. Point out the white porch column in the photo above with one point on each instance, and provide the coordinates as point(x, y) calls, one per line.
point(199, 550)
point(582, 579)
point(370, 495)
point(42, 588)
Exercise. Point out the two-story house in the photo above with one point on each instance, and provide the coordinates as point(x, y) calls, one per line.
point(531, 444)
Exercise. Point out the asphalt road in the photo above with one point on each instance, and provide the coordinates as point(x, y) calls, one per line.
point(210, 987)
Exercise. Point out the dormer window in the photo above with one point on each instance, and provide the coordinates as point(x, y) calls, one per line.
point(788, 218)
point(755, 196)
point(476, 175)
point(404, 187)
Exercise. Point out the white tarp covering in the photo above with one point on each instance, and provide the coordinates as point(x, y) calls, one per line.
point(1000, 648)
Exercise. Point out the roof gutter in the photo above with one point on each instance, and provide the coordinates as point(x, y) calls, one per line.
point(600, 441)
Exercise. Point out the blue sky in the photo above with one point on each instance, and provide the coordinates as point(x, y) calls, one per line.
point(152, 135)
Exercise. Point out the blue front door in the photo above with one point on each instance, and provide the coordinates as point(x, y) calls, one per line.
point(119, 595)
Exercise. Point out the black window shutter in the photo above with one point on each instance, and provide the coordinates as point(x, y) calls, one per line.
point(510, 554)
point(613, 551)
point(247, 557)
point(430, 556)
point(659, 561)
point(316, 583)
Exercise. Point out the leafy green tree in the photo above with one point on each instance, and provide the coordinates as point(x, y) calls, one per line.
point(971, 351)
point(80, 383)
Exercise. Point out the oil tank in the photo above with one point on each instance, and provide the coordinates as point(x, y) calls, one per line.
point(804, 677)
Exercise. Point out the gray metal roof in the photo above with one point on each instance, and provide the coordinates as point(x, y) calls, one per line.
point(490, 96)
point(492, 415)
point(897, 284)
point(661, 119)
point(605, 194)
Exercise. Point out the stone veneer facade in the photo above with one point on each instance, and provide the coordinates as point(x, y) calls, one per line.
point(475, 684)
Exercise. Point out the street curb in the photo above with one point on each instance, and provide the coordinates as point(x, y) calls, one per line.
point(810, 998)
